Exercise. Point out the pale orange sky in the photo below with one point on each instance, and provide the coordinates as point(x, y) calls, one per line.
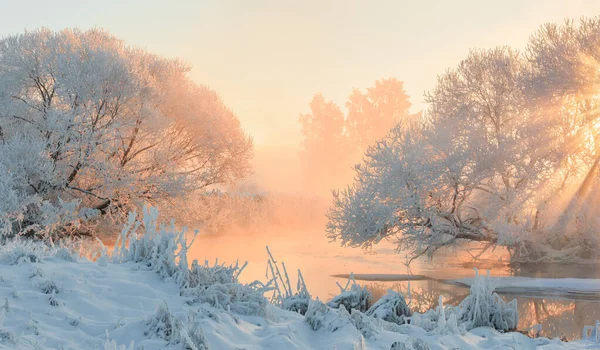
point(267, 58)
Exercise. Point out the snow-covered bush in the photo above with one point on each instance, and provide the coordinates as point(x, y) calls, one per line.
point(17, 250)
point(319, 316)
point(194, 336)
point(164, 250)
point(166, 326)
point(218, 286)
point(64, 254)
point(392, 307)
point(206, 275)
point(234, 297)
point(485, 308)
point(356, 297)
point(46, 285)
point(410, 344)
point(322, 316)
point(157, 248)
point(112, 345)
point(163, 324)
point(283, 295)
point(365, 324)
point(442, 319)
point(481, 308)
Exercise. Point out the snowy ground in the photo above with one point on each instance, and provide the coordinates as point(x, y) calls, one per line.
point(139, 299)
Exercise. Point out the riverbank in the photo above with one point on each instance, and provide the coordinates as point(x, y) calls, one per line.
point(55, 299)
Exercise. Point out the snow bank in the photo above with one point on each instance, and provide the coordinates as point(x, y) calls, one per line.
point(557, 286)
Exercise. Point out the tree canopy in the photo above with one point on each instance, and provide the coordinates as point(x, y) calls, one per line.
point(90, 127)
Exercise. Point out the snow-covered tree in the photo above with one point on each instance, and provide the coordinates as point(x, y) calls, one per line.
point(90, 126)
point(507, 146)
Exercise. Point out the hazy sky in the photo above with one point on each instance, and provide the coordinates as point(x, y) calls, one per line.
point(267, 58)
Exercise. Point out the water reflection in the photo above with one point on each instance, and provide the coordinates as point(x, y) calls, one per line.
point(558, 317)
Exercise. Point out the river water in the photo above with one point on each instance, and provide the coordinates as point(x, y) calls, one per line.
point(319, 259)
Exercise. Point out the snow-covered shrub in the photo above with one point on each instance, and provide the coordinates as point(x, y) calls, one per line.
point(484, 308)
point(46, 286)
point(194, 336)
point(410, 344)
point(17, 251)
point(235, 297)
point(296, 303)
point(218, 286)
point(322, 316)
point(164, 250)
point(52, 300)
point(157, 248)
point(319, 315)
point(364, 324)
point(206, 275)
point(163, 324)
point(392, 307)
point(427, 320)
point(481, 308)
point(283, 295)
point(357, 297)
point(441, 320)
point(65, 254)
point(166, 326)
point(112, 345)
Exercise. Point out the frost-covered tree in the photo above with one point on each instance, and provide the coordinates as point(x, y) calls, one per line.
point(90, 126)
point(506, 155)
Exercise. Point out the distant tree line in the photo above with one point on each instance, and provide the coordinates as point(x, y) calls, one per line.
point(333, 141)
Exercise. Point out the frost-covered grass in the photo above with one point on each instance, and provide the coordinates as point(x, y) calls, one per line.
point(147, 296)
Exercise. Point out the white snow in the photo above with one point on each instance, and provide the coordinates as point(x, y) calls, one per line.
point(560, 286)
